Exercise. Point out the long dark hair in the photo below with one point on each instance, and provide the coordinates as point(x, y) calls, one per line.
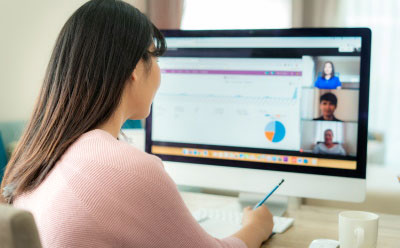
point(323, 69)
point(94, 55)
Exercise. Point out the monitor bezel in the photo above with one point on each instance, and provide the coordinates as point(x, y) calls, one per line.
point(364, 33)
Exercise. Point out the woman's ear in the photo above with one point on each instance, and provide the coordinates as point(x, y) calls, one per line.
point(137, 72)
point(134, 75)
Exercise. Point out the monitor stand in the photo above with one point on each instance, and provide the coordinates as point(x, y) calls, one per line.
point(277, 204)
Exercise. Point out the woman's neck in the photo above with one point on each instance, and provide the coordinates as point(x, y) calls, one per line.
point(113, 124)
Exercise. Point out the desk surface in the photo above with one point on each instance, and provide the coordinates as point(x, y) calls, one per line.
point(310, 223)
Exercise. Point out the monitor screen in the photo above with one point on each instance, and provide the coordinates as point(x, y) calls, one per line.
point(285, 100)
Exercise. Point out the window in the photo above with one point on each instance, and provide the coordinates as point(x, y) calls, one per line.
point(237, 14)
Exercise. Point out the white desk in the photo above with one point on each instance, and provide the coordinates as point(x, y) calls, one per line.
point(311, 223)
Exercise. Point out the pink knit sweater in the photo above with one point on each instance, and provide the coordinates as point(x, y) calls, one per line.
point(105, 193)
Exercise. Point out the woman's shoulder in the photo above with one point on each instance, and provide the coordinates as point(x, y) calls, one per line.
point(100, 164)
point(335, 78)
point(100, 149)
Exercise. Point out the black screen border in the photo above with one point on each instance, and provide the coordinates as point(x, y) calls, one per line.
point(361, 158)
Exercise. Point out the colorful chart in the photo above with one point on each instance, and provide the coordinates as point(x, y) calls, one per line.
point(275, 131)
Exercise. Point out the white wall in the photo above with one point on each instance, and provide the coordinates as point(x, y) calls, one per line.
point(28, 30)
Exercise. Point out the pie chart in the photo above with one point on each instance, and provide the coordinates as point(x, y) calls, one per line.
point(275, 131)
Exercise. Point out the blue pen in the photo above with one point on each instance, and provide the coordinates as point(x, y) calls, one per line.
point(263, 200)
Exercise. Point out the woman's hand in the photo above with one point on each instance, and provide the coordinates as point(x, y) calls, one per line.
point(257, 226)
point(260, 218)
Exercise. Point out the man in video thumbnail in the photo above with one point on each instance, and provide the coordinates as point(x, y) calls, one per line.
point(327, 104)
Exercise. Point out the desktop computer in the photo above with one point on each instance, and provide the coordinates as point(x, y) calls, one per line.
point(240, 110)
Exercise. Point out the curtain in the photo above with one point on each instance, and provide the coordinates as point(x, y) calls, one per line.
point(165, 14)
point(383, 18)
point(384, 113)
point(315, 13)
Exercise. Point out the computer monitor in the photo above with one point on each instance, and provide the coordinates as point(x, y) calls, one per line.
point(242, 109)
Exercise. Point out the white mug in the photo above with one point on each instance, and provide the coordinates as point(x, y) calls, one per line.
point(358, 229)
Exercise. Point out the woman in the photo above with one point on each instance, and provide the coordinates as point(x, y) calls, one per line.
point(328, 80)
point(328, 147)
point(84, 187)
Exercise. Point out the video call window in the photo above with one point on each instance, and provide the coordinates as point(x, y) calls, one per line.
point(330, 105)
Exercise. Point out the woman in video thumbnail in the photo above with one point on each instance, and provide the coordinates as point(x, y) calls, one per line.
point(328, 80)
point(328, 147)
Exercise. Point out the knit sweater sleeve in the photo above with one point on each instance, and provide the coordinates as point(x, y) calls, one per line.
point(140, 206)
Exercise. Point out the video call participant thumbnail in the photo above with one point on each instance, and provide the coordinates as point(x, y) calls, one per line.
point(328, 80)
point(328, 147)
point(327, 104)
